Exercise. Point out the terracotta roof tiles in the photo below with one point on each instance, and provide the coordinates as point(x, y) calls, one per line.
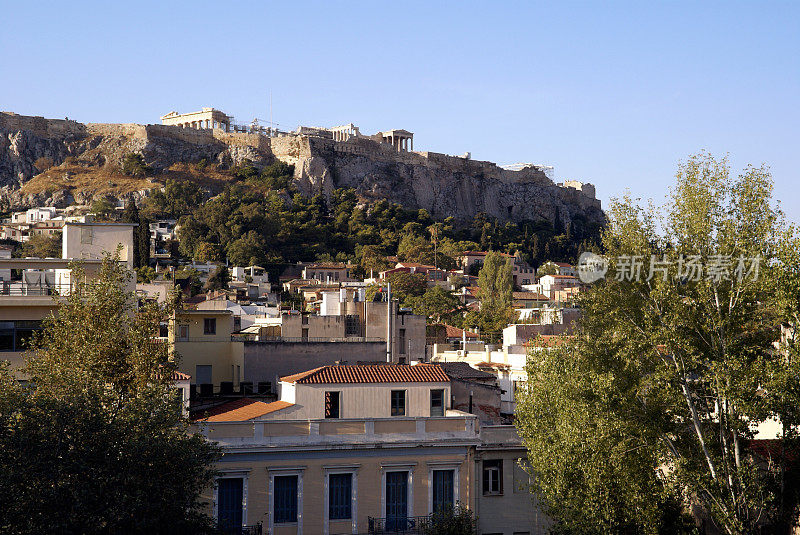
point(240, 410)
point(378, 373)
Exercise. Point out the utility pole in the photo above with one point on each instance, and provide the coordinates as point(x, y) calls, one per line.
point(388, 322)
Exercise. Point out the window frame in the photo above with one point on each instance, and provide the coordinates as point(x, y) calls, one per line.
point(487, 467)
point(210, 326)
point(439, 391)
point(347, 503)
point(338, 397)
point(394, 411)
point(231, 474)
point(286, 515)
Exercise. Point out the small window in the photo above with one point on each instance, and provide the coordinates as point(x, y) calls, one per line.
point(202, 374)
point(86, 235)
point(437, 402)
point(183, 333)
point(401, 341)
point(398, 402)
point(493, 476)
point(340, 488)
point(209, 325)
point(332, 404)
point(285, 499)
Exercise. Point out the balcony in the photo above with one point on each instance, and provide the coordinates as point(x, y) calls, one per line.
point(456, 428)
point(408, 524)
point(19, 289)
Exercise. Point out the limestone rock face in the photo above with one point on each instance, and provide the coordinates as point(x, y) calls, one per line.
point(441, 184)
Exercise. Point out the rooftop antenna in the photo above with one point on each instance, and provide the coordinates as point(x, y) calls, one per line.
point(271, 124)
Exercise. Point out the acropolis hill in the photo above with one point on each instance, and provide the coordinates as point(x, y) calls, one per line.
point(55, 161)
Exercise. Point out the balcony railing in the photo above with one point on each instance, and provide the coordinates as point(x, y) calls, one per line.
point(21, 290)
point(300, 339)
point(405, 524)
point(255, 529)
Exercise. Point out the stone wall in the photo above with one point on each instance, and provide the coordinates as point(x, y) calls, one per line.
point(40, 126)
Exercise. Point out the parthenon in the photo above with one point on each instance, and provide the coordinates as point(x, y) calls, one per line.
point(205, 118)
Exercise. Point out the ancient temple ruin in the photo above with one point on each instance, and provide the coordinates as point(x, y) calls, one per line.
point(204, 119)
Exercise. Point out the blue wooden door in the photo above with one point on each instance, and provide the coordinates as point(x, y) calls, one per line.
point(396, 500)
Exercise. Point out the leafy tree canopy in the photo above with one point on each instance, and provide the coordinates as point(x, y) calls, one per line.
point(652, 406)
point(96, 442)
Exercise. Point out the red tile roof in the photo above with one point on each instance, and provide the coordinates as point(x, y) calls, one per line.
point(415, 265)
point(455, 332)
point(548, 340)
point(327, 265)
point(240, 410)
point(562, 264)
point(493, 365)
point(484, 253)
point(378, 373)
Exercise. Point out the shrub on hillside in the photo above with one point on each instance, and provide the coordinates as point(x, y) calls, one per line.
point(134, 165)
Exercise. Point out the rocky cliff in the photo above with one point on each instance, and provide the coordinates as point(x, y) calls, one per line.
point(46, 161)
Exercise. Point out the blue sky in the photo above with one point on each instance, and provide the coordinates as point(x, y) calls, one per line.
point(611, 93)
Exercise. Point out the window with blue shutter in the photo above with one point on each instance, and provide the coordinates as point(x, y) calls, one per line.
point(285, 499)
point(229, 504)
point(340, 491)
point(442, 489)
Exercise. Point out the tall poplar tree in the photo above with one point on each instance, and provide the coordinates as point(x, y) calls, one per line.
point(654, 405)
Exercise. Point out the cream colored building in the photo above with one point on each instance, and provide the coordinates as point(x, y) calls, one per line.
point(202, 342)
point(350, 449)
point(205, 118)
point(26, 301)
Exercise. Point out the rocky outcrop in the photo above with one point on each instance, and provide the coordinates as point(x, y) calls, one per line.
point(441, 184)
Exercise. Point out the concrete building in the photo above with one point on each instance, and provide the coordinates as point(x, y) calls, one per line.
point(329, 272)
point(504, 504)
point(43, 282)
point(347, 449)
point(206, 118)
point(202, 342)
point(364, 449)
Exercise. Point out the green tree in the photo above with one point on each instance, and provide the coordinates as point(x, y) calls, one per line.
point(373, 259)
point(145, 274)
point(219, 279)
point(41, 246)
point(655, 400)
point(96, 442)
point(133, 164)
point(436, 303)
point(190, 279)
point(102, 208)
point(141, 234)
point(405, 285)
point(456, 520)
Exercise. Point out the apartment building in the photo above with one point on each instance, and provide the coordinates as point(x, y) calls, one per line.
point(202, 343)
point(27, 300)
point(329, 272)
